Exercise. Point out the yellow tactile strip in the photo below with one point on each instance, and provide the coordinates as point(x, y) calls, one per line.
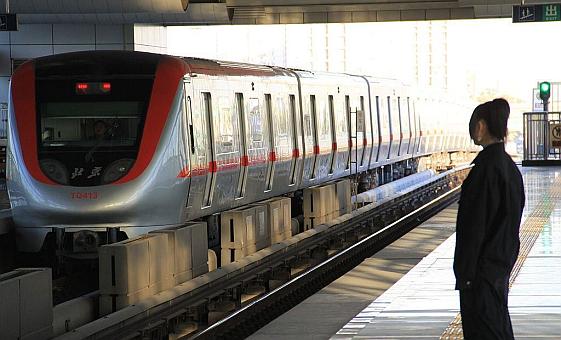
point(529, 232)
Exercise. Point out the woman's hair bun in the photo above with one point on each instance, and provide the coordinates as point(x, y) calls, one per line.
point(495, 113)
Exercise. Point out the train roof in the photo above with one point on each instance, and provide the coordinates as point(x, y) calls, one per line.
point(231, 68)
point(99, 63)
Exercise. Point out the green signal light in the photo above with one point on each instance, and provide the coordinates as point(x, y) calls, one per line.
point(545, 88)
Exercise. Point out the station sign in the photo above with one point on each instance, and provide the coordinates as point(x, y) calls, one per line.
point(8, 22)
point(537, 103)
point(555, 135)
point(536, 13)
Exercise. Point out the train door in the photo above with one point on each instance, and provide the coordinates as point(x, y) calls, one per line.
point(225, 146)
point(283, 142)
point(201, 159)
point(257, 148)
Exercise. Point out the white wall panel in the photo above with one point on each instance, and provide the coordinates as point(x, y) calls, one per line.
point(4, 37)
point(74, 34)
point(109, 34)
point(4, 83)
point(5, 62)
point(32, 34)
point(31, 51)
point(72, 48)
point(150, 35)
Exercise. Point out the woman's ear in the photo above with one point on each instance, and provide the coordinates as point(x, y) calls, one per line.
point(480, 131)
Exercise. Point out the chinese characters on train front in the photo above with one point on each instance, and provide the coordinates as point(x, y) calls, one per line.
point(78, 172)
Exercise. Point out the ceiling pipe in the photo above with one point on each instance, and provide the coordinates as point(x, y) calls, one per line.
point(198, 13)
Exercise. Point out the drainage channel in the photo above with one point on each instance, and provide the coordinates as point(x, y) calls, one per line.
point(239, 298)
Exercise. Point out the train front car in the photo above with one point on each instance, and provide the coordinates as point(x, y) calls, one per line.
point(94, 142)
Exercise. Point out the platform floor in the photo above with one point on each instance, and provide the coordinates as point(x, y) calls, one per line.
point(424, 304)
point(323, 314)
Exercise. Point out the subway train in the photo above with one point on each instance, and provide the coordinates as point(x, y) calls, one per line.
point(141, 141)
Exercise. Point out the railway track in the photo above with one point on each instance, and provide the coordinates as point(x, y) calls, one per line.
point(239, 298)
point(257, 314)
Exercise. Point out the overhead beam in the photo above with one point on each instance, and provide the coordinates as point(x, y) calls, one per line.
point(254, 12)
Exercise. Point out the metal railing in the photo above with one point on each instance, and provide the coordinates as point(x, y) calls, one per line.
point(542, 138)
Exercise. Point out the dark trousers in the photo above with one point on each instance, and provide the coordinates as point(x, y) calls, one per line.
point(484, 310)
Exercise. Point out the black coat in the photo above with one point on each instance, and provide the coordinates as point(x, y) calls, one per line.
point(490, 209)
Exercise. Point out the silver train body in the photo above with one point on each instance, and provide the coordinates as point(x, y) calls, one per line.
point(196, 137)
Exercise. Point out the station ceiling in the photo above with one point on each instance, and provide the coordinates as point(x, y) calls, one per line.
point(208, 12)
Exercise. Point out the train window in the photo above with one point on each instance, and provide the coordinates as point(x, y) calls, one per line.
point(270, 132)
point(404, 115)
point(363, 131)
point(207, 106)
point(308, 117)
point(189, 113)
point(88, 124)
point(324, 123)
point(292, 99)
point(313, 113)
point(394, 116)
point(243, 152)
point(255, 123)
point(382, 114)
point(225, 121)
point(348, 115)
point(281, 119)
point(333, 136)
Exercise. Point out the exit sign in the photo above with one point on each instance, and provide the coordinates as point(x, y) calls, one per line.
point(8, 22)
point(536, 13)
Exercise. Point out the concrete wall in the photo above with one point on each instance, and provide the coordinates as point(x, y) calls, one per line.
point(150, 38)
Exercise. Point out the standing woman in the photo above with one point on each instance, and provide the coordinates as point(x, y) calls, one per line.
point(487, 240)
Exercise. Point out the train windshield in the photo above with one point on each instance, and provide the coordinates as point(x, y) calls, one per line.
point(89, 130)
point(90, 124)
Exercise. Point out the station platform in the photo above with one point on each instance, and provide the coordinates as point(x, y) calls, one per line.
point(411, 282)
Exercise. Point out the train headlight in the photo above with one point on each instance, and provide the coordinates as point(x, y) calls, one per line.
point(85, 241)
point(55, 170)
point(116, 170)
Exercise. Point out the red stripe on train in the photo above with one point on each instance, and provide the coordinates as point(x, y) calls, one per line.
point(295, 153)
point(272, 156)
point(212, 166)
point(23, 95)
point(168, 74)
point(244, 160)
